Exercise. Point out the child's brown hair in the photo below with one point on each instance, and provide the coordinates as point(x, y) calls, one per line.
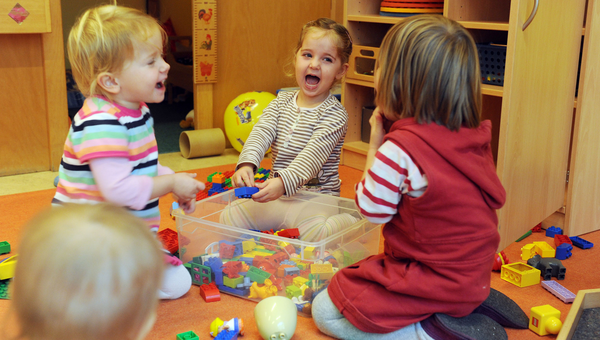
point(429, 69)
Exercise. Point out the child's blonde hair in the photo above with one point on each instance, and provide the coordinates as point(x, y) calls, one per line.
point(324, 27)
point(102, 40)
point(87, 272)
point(429, 70)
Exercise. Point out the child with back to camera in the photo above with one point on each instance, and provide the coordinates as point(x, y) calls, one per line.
point(110, 153)
point(305, 129)
point(87, 272)
point(432, 181)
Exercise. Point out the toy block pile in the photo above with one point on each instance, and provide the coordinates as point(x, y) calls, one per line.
point(219, 182)
point(258, 267)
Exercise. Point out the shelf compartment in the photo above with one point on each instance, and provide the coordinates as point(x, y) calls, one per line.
point(492, 11)
point(362, 63)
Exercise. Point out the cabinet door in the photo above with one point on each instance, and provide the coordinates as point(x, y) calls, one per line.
point(537, 111)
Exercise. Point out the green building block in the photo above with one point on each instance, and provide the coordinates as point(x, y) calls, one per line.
point(4, 289)
point(292, 291)
point(4, 247)
point(199, 273)
point(257, 275)
point(233, 283)
point(187, 336)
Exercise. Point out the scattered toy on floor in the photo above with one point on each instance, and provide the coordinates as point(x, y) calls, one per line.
point(276, 318)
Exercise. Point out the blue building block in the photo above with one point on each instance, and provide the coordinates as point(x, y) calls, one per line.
point(292, 271)
point(563, 251)
point(245, 192)
point(234, 291)
point(550, 232)
point(226, 335)
point(216, 265)
point(246, 284)
point(581, 243)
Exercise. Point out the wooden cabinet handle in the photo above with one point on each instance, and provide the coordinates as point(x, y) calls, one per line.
point(532, 15)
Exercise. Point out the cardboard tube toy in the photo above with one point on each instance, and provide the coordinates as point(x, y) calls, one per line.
point(202, 143)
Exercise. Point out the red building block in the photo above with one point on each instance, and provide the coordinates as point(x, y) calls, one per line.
point(226, 251)
point(210, 292)
point(232, 268)
point(537, 228)
point(168, 237)
point(289, 233)
point(560, 239)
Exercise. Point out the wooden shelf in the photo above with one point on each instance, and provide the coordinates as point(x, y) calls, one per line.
point(485, 25)
point(374, 18)
point(492, 90)
point(355, 154)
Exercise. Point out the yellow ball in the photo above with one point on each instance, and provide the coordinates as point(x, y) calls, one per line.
point(241, 115)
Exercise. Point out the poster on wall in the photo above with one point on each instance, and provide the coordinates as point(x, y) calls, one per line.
point(205, 41)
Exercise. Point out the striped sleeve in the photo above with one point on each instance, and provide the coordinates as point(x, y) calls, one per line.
point(327, 134)
point(261, 136)
point(97, 136)
point(392, 175)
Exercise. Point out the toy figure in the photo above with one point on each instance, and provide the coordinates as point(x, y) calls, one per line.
point(276, 318)
point(233, 325)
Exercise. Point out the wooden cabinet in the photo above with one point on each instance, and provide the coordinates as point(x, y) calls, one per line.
point(33, 90)
point(531, 113)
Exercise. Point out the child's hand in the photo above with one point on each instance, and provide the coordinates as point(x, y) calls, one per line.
point(270, 190)
point(243, 177)
point(377, 129)
point(185, 187)
point(188, 206)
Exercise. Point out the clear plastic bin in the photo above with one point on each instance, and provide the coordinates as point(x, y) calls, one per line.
point(222, 242)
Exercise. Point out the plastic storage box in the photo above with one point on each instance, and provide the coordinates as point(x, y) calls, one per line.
point(220, 243)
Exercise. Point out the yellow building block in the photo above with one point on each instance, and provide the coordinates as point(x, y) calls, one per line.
point(520, 274)
point(325, 270)
point(544, 249)
point(309, 252)
point(528, 251)
point(545, 320)
point(248, 245)
point(299, 281)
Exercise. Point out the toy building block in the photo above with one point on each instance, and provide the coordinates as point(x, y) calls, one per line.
point(524, 236)
point(324, 271)
point(232, 269)
point(187, 336)
point(7, 267)
point(563, 251)
point(548, 267)
point(210, 292)
point(4, 289)
point(559, 291)
point(550, 232)
point(233, 282)
point(226, 251)
point(215, 265)
point(560, 239)
point(537, 228)
point(245, 192)
point(4, 247)
point(234, 291)
point(500, 260)
point(520, 274)
point(226, 335)
point(169, 239)
point(581, 243)
point(289, 233)
point(257, 275)
point(545, 320)
point(200, 274)
point(544, 249)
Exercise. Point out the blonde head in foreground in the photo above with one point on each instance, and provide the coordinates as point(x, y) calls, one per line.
point(87, 272)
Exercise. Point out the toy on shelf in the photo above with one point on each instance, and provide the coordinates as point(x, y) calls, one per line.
point(500, 260)
point(545, 320)
point(7, 267)
point(4, 247)
point(548, 267)
point(559, 291)
point(276, 318)
point(235, 325)
point(581, 243)
point(245, 192)
point(520, 274)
